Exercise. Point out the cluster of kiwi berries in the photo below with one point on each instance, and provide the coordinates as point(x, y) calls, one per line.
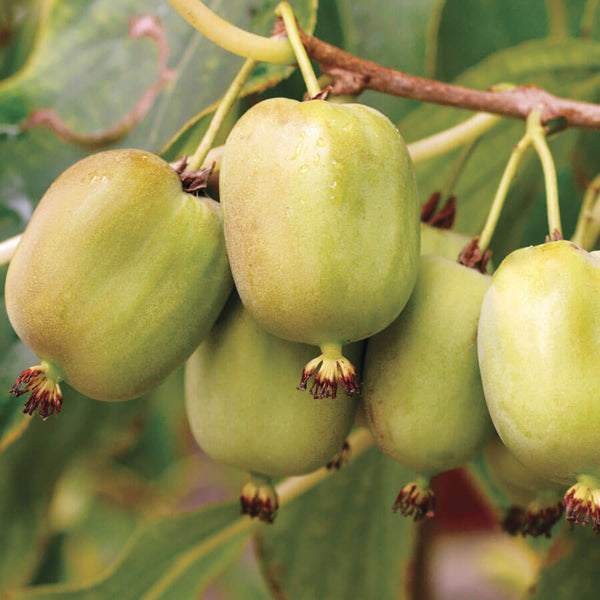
point(126, 270)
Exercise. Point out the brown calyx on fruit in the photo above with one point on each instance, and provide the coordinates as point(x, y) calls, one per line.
point(540, 517)
point(537, 519)
point(472, 257)
point(340, 459)
point(45, 395)
point(328, 371)
point(582, 504)
point(442, 218)
point(192, 182)
point(415, 500)
point(513, 520)
point(259, 499)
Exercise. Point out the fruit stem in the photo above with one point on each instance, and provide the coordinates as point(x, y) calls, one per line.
point(287, 490)
point(587, 19)
point(284, 11)
point(536, 132)
point(231, 95)
point(588, 223)
point(233, 38)
point(509, 173)
point(449, 139)
point(7, 249)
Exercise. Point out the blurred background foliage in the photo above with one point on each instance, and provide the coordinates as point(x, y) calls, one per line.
point(106, 500)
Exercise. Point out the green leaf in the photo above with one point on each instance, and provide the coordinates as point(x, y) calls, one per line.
point(30, 468)
point(18, 28)
point(172, 558)
point(571, 569)
point(340, 540)
point(470, 30)
point(86, 67)
point(389, 33)
point(567, 68)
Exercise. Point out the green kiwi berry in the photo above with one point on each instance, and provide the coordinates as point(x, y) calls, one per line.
point(118, 277)
point(321, 218)
point(268, 429)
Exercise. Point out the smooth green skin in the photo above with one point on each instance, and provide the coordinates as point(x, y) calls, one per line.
point(443, 242)
point(243, 406)
point(321, 217)
point(422, 390)
point(119, 274)
point(520, 484)
point(539, 350)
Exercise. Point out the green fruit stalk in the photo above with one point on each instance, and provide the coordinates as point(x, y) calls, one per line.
point(539, 346)
point(537, 503)
point(321, 221)
point(423, 394)
point(118, 277)
point(269, 431)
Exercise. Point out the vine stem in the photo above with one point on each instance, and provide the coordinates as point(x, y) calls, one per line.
point(557, 18)
point(538, 139)
point(535, 136)
point(232, 38)
point(7, 249)
point(509, 173)
point(587, 230)
point(353, 74)
point(284, 10)
point(287, 490)
point(231, 95)
point(452, 138)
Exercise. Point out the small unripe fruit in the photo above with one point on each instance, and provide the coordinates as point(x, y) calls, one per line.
point(539, 347)
point(118, 277)
point(321, 218)
point(422, 393)
point(268, 430)
point(536, 502)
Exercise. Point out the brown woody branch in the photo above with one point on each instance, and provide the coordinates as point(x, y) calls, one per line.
point(352, 74)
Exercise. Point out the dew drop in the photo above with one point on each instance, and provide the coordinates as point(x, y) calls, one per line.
point(303, 169)
point(321, 142)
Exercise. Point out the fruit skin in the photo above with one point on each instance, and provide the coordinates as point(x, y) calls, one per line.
point(422, 393)
point(321, 218)
point(539, 346)
point(443, 242)
point(119, 274)
point(536, 502)
point(272, 430)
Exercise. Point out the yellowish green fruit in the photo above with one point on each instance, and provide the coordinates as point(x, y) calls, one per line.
point(118, 277)
point(267, 428)
point(321, 221)
point(537, 503)
point(539, 348)
point(423, 394)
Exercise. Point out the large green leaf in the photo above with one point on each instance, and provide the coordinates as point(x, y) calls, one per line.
point(340, 540)
point(470, 30)
point(571, 570)
point(87, 67)
point(392, 34)
point(568, 68)
point(18, 27)
point(172, 558)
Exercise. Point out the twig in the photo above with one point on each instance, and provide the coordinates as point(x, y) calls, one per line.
point(516, 103)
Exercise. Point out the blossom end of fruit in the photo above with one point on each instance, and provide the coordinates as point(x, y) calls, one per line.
point(415, 501)
point(260, 501)
point(45, 395)
point(582, 505)
point(328, 373)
